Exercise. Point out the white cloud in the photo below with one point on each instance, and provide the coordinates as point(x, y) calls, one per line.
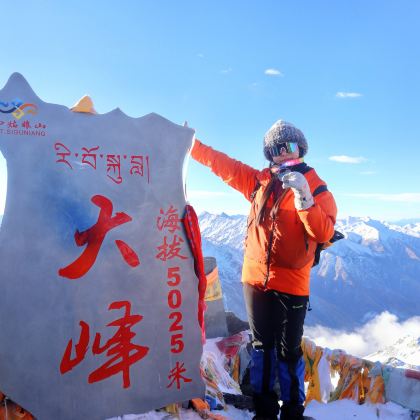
point(347, 159)
point(402, 197)
point(200, 55)
point(225, 71)
point(382, 331)
point(273, 72)
point(194, 194)
point(348, 95)
point(368, 173)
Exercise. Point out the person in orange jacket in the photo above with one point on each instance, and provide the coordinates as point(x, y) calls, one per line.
point(291, 212)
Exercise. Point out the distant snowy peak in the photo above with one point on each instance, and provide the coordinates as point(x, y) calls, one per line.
point(365, 235)
point(412, 229)
point(403, 353)
point(222, 229)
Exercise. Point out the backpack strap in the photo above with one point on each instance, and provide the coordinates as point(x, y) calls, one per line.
point(319, 190)
point(321, 246)
point(317, 256)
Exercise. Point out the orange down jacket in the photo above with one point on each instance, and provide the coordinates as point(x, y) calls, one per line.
point(279, 252)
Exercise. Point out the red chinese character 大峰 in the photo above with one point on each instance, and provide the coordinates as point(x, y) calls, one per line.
point(88, 157)
point(176, 376)
point(119, 346)
point(93, 238)
point(113, 166)
point(12, 124)
point(169, 220)
point(62, 152)
point(122, 351)
point(167, 251)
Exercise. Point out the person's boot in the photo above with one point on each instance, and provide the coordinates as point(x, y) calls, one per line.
point(293, 412)
point(242, 402)
point(266, 406)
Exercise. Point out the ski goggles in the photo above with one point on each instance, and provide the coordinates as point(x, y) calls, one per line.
point(286, 147)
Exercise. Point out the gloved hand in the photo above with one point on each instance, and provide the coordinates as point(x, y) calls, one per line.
point(300, 187)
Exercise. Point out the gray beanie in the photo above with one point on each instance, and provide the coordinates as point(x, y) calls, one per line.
point(281, 132)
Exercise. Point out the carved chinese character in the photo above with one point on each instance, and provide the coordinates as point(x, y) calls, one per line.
point(122, 352)
point(26, 124)
point(67, 363)
point(93, 238)
point(168, 251)
point(176, 376)
point(169, 220)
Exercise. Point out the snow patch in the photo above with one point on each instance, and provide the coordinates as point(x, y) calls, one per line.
point(350, 410)
point(411, 254)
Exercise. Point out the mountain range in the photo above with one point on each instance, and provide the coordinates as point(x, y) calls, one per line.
point(375, 268)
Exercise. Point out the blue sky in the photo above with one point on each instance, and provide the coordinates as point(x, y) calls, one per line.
point(346, 72)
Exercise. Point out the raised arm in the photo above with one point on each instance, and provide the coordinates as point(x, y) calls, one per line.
point(315, 204)
point(236, 174)
point(319, 219)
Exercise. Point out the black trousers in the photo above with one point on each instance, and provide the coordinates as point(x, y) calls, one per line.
point(276, 320)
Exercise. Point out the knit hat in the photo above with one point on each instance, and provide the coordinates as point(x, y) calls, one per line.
point(281, 132)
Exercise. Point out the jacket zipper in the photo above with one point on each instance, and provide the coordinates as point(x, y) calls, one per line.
point(250, 222)
point(270, 243)
point(270, 240)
